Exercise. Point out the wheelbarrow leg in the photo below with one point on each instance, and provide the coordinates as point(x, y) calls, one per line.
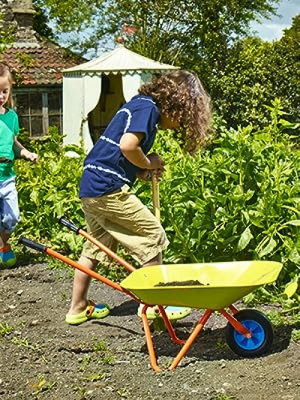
point(148, 336)
point(238, 326)
point(233, 309)
point(169, 327)
point(191, 339)
point(149, 341)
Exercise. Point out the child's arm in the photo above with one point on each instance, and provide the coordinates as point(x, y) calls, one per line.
point(131, 149)
point(20, 151)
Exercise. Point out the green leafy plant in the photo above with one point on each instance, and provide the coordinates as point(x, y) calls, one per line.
point(94, 377)
point(24, 342)
point(5, 329)
point(237, 200)
point(225, 397)
point(42, 385)
point(105, 354)
point(100, 346)
point(49, 190)
point(295, 335)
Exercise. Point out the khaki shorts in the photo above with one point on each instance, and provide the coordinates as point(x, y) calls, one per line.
point(120, 217)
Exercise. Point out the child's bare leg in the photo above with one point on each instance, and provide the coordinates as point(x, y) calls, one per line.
point(157, 260)
point(4, 237)
point(81, 285)
point(173, 313)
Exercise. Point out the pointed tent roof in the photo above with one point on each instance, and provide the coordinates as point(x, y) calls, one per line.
point(120, 60)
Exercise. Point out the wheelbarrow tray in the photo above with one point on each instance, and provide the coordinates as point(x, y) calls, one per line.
point(220, 284)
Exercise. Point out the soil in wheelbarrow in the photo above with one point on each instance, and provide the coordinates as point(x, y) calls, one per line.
point(191, 282)
point(41, 357)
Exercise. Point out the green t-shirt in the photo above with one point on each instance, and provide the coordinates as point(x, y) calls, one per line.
point(9, 129)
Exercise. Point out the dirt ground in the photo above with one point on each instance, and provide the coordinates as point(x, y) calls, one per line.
point(41, 357)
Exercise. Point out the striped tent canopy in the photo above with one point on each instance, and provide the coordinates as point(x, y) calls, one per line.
point(95, 90)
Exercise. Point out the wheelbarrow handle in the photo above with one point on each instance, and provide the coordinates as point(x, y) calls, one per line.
point(69, 225)
point(33, 245)
point(86, 235)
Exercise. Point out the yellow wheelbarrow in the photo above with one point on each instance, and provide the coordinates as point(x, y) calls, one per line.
point(210, 286)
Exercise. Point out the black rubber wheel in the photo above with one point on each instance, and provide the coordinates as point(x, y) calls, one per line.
point(262, 334)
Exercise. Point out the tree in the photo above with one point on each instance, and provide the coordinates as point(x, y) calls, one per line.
point(286, 69)
point(72, 21)
point(171, 31)
point(256, 72)
point(209, 37)
point(41, 23)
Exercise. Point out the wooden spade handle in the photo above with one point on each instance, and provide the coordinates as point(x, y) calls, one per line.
point(155, 196)
point(155, 201)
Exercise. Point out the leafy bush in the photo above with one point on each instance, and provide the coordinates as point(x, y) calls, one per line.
point(256, 72)
point(49, 190)
point(235, 201)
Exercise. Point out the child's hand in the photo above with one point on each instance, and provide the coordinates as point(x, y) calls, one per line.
point(146, 174)
point(155, 161)
point(33, 157)
point(158, 172)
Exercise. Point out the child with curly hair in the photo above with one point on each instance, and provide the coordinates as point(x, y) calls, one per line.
point(174, 100)
point(10, 148)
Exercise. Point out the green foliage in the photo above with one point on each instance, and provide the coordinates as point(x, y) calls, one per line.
point(165, 28)
point(292, 320)
point(242, 89)
point(254, 74)
point(5, 329)
point(41, 21)
point(238, 200)
point(49, 190)
point(285, 64)
point(70, 15)
point(6, 34)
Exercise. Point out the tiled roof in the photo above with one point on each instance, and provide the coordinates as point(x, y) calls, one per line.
point(35, 60)
point(39, 62)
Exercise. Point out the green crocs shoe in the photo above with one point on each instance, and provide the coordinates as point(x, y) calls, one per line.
point(92, 311)
point(7, 256)
point(173, 313)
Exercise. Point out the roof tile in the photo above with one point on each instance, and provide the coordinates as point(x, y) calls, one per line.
point(41, 64)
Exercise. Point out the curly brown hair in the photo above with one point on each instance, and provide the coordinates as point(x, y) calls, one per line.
point(5, 72)
point(180, 96)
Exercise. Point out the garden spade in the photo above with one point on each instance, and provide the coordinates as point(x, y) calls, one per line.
point(157, 324)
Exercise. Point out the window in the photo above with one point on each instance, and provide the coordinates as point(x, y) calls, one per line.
point(38, 109)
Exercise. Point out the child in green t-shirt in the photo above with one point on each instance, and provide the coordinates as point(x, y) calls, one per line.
point(10, 148)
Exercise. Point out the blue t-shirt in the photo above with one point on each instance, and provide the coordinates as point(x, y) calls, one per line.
point(105, 167)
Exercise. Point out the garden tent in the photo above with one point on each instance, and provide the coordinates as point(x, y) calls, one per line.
point(95, 90)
